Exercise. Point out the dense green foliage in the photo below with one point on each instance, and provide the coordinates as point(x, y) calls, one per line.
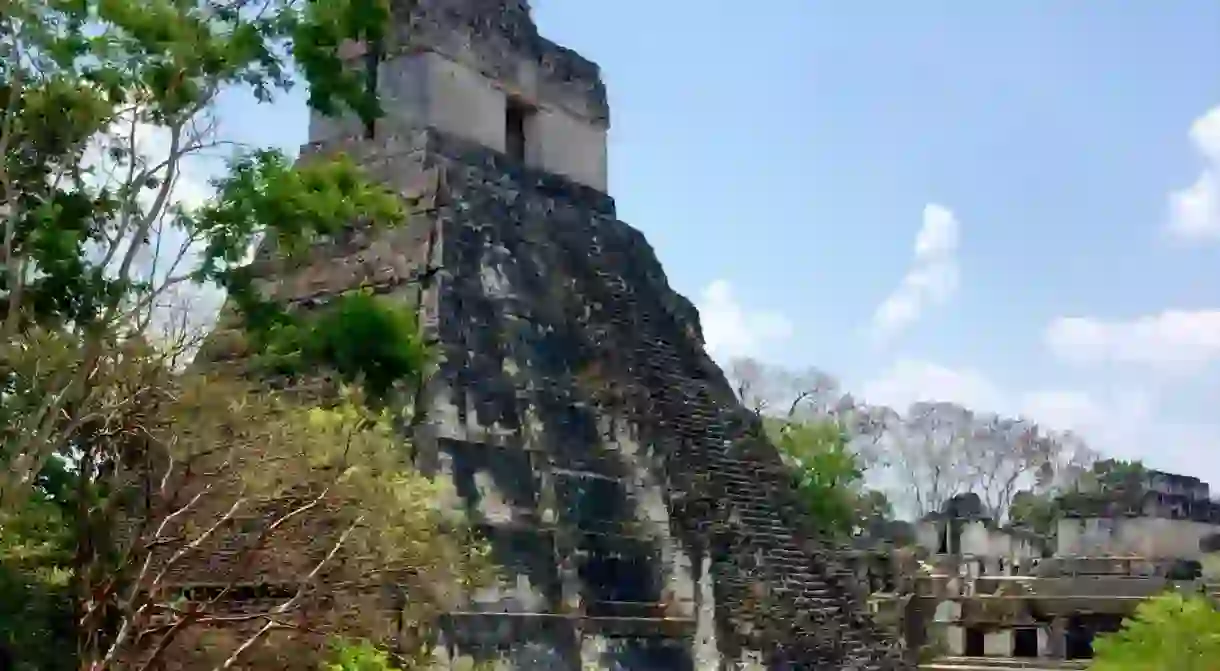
point(104, 104)
point(1170, 632)
point(357, 656)
point(35, 546)
point(359, 337)
point(827, 475)
point(1040, 509)
point(1036, 511)
point(86, 84)
point(74, 68)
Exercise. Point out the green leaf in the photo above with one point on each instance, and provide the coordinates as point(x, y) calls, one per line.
point(1172, 631)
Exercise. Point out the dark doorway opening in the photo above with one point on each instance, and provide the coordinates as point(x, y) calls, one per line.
point(955, 537)
point(516, 127)
point(1025, 642)
point(974, 642)
point(372, 64)
point(1082, 629)
point(1079, 640)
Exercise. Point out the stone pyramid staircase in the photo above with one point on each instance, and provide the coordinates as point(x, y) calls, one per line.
point(776, 592)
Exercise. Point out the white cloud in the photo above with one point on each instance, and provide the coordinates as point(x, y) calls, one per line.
point(910, 381)
point(1194, 212)
point(1065, 410)
point(731, 330)
point(191, 189)
point(152, 146)
point(1121, 422)
point(1132, 423)
point(1114, 420)
point(169, 251)
point(932, 278)
point(1174, 340)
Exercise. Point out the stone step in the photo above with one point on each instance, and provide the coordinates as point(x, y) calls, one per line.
point(700, 443)
point(755, 513)
point(809, 590)
point(759, 486)
point(747, 467)
point(744, 479)
point(758, 507)
point(751, 503)
point(994, 663)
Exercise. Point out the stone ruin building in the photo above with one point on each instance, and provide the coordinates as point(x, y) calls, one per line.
point(640, 518)
point(992, 596)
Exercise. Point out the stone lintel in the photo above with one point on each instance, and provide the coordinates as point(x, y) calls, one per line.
point(498, 39)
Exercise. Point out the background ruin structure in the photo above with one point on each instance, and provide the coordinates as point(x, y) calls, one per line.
point(993, 596)
point(640, 518)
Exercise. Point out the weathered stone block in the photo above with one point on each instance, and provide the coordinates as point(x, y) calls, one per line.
point(640, 517)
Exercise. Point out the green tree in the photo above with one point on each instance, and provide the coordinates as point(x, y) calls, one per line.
point(1117, 477)
point(313, 503)
point(311, 494)
point(35, 608)
point(825, 472)
point(934, 450)
point(1038, 512)
point(357, 656)
point(112, 207)
point(1170, 632)
point(107, 113)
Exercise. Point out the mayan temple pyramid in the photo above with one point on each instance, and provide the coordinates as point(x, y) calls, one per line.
point(640, 519)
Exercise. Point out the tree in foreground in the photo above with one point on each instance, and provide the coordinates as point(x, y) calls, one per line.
point(36, 624)
point(107, 128)
point(298, 508)
point(1171, 632)
point(251, 527)
point(827, 475)
point(207, 519)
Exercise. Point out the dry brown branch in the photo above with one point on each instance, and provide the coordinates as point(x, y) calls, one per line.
point(320, 500)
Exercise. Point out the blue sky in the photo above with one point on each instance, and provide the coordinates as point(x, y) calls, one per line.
point(783, 157)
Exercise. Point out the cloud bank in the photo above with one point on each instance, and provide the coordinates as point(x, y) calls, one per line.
point(1194, 211)
point(1173, 340)
point(730, 330)
point(932, 278)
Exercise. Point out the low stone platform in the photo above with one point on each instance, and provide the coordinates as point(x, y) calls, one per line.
point(1000, 663)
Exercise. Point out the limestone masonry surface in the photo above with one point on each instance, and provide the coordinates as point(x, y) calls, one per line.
point(641, 519)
